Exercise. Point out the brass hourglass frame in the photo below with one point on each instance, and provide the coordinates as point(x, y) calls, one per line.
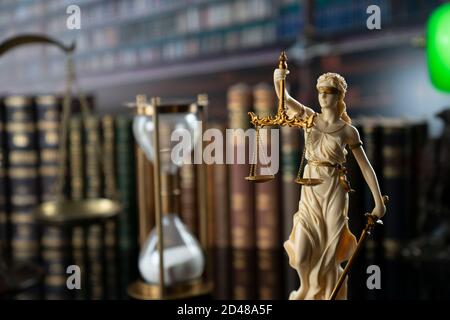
point(280, 119)
point(140, 289)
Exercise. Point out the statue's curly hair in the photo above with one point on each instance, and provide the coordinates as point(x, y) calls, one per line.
point(339, 83)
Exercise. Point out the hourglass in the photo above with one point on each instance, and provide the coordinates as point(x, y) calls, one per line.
point(172, 262)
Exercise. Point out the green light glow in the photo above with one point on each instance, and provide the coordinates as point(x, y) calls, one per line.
point(438, 47)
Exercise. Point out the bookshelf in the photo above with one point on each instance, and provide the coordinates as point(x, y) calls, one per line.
point(125, 42)
point(119, 37)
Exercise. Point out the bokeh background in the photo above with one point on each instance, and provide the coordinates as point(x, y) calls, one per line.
point(228, 49)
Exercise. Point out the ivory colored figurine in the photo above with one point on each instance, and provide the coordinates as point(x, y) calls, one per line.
point(320, 239)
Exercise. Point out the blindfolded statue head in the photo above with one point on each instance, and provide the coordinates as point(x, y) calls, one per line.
point(331, 89)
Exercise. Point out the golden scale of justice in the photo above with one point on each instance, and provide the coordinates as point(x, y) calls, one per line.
point(282, 119)
point(62, 212)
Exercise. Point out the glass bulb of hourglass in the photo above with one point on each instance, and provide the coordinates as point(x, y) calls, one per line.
point(183, 258)
point(175, 125)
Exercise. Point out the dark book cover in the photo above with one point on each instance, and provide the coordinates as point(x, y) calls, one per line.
point(23, 176)
point(242, 215)
point(243, 268)
point(128, 230)
point(110, 191)
point(270, 277)
point(221, 200)
point(77, 182)
point(357, 288)
point(188, 198)
point(373, 144)
point(242, 192)
point(267, 205)
point(94, 190)
point(221, 226)
point(292, 143)
point(145, 195)
point(418, 168)
point(395, 152)
point(55, 244)
point(4, 219)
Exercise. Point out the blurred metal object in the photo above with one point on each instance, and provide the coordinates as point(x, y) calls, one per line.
point(62, 212)
point(14, 42)
point(75, 212)
point(144, 291)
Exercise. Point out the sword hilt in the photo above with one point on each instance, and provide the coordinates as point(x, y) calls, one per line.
point(373, 220)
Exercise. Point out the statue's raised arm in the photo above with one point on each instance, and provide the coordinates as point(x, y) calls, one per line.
point(294, 107)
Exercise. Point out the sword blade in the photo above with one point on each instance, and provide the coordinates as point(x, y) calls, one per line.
point(349, 264)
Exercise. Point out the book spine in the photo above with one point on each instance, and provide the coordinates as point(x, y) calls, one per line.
point(243, 266)
point(23, 176)
point(110, 191)
point(267, 206)
point(48, 118)
point(4, 220)
point(268, 224)
point(189, 211)
point(221, 200)
point(145, 197)
point(396, 223)
point(93, 171)
point(96, 232)
point(356, 210)
point(126, 173)
point(394, 162)
point(76, 158)
point(242, 192)
point(373, 144)
point(221, 226)
point(54, 241)
point(291, 151)
point(77, 181)
point(420, 173)
point(242, 216)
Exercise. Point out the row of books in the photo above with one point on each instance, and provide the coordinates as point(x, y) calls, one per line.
point(30, 138)
point(188, 32)
point(125, 58)
point(331, 16)
point(342, 16)
point(181, 15)
point(249, 222)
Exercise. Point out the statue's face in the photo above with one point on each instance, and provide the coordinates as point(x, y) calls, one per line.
point(328, 95)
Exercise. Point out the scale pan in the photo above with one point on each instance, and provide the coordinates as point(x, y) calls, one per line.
point(260, 178)
point(309, 181)
point(76, 211)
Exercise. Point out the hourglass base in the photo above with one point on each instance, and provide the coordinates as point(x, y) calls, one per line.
point(144, 291)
